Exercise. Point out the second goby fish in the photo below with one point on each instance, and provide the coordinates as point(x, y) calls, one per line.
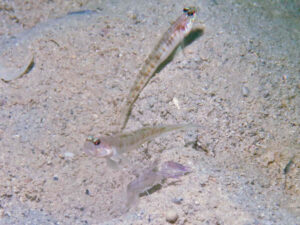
point(164, 48)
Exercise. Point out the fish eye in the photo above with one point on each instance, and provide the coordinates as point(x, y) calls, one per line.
point(96, 141)
point(185, 10)
point(190, 11)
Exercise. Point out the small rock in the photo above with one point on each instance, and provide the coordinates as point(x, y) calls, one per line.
point(177, 200)
point(268, 158)
point(132, 15)
point(171, 216)
point(266, 94)
point(69, 154)
point(176, 103)
point(245, 91)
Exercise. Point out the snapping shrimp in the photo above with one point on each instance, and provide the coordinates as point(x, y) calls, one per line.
point(164, 48)
point(112, 147)
point(152, 176)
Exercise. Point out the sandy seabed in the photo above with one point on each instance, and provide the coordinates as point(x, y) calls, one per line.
point(240, 80)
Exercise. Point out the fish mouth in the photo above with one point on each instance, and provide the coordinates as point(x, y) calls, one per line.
point(97, 150)
point(89, 148)
point(104, 153)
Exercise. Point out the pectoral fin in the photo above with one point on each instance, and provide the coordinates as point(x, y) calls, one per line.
point(115, 161)
point(112, 164)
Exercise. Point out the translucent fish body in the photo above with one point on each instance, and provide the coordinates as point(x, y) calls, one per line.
point(167, 44)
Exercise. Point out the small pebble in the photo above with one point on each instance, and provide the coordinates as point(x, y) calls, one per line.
point(177, 200)
point(55, 177)
point(69, 154)
point(245, 91)
point(171, 216)
point(132, 15)
point(176, 102)
point(266, 94)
